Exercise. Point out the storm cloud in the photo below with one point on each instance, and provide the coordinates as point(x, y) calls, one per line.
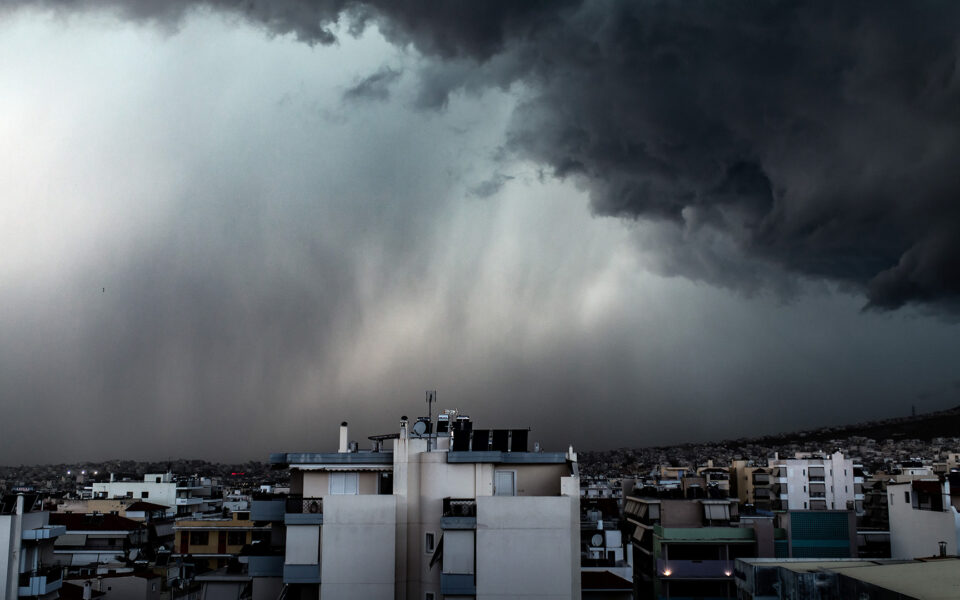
point(814, 137)
point(249, 221)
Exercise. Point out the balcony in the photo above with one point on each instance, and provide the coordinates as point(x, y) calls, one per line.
point(694, 569)
point(268, 508)
point(458, 584)
point(459, 513)
point(301, 574)
point(761, 479)
point(303, 511)
point(265, 566)
point(44, 533)
point(43, 581)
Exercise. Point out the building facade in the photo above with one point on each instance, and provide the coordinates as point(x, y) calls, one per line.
point(815, 482)
point(452, 513)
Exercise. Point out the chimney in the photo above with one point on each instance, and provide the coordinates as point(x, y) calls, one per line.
point(343, 438)
point(87, 590)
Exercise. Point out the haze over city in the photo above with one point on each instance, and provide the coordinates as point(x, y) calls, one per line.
point(228, 227)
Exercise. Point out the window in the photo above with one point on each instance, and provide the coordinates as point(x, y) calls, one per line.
point(343, 484)
point(236, 538)
point(243, 516)
point(891, 499)
point(906, 497)
point(505, 483)
point(144, 494)
point(158, 480)
point(129, 494)
point(199, 538)
point(429, 542)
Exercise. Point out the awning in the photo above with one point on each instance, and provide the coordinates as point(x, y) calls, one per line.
point(71, 539)
point(346, 467)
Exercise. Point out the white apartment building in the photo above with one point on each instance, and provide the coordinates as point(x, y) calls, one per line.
point(28, 568)
point(182, 496)
point(811, 481)
point(924, 518)
point(457, 513)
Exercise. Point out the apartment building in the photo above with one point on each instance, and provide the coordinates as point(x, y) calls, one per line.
point(686, 547)
point(97, 543)
point(211, 542)
point(811, 481)
point(752, 484)
point(186, 495)
point(925, 517)
point(448, 512)
point(28, 568)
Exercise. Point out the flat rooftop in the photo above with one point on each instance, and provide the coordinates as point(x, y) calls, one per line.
point(926, 580)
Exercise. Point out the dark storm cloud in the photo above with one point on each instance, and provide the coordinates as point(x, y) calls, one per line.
point(375, 86)
point(490, 186)
point(820, 138)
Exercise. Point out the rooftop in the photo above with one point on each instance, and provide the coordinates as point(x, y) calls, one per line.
point(94, 522)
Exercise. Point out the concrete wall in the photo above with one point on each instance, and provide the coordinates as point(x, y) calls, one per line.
point(458, 551)
point(132, 588)
point(359, 537)
point(680, 513)
point(538, 480)
point(316, 484)
point(303, 545)
point(8, 547)
point(917, 533)
point(164, 494)
point(528, 547)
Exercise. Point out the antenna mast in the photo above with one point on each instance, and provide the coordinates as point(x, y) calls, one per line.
point(431, 398)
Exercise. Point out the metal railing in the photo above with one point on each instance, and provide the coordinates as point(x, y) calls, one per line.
point(459, 507)
point(305, 506)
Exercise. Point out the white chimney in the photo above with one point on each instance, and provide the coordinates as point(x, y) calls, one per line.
point(87, 590)
point(343, 438)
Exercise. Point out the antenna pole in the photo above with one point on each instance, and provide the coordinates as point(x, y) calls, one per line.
point(431, 398)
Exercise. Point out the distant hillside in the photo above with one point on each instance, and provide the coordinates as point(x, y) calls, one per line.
point(944, 423)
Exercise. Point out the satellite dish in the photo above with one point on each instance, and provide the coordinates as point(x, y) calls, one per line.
point(419, 428)
point(596, 540)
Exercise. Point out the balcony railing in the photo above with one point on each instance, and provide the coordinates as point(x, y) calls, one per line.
point(460, 507)
point(304, 506)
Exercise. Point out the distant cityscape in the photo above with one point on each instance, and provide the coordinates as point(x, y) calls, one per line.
point(443, 509)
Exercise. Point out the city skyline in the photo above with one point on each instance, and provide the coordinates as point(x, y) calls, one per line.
point(225, 232)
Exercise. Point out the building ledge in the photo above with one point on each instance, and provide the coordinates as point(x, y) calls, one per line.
point(517, 458)
point(331, 458)
point(303, 519)
point(458, 522)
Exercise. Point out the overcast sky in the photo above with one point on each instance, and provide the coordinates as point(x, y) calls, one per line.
point(618, 223)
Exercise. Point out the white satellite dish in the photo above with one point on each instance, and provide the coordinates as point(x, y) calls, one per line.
point(419, 428)
point(596, 540)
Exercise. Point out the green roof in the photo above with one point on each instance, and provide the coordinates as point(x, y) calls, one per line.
point(712, 534)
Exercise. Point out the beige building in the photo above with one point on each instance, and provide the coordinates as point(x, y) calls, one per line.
point(213, 541)
point(456, 513)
